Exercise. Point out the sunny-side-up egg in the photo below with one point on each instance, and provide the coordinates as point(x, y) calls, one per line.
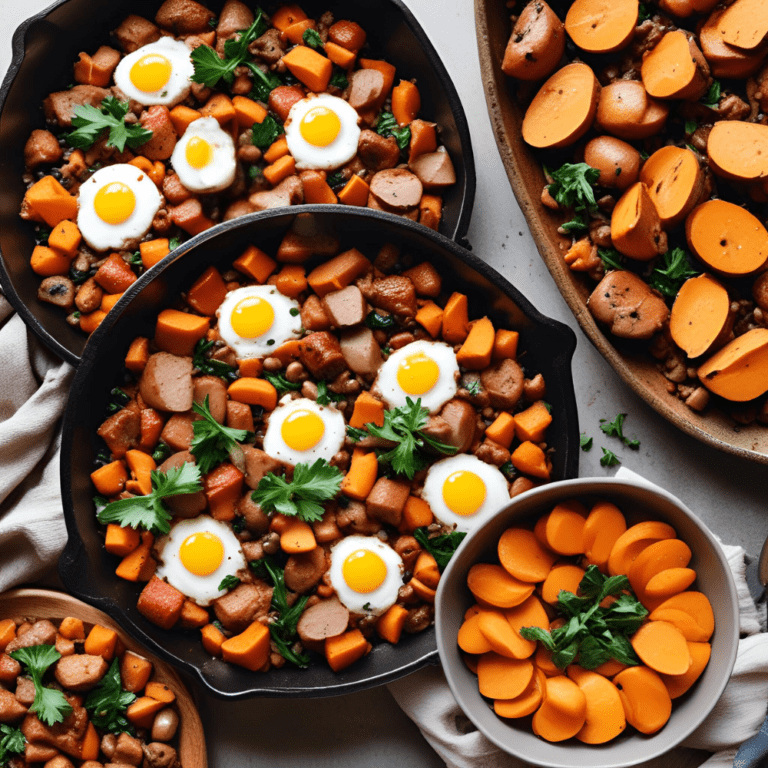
point(322, 132)
point(423, 370)
point(301, 431)
point(116, 207)
point(158, 73)
point(196, 555)
point(204, 157)
point(366, 574)
point(464, 490)
point(257, 319)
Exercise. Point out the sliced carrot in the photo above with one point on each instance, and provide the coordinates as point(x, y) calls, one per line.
point(182, 116)
point(423, 139)
point(701, 315)
point(120, 541)
point(657, 557)
point(193, 616)
point(65, 237)
point(368, 410)
point(110, 479)
point(426, 570)
point(427, 594)
point(316, 189)
point(635, 225)
point(48, 262)
point(470, 638)
point(309, 67)
point(135, 671)
point(213, 638)
point(287, 15)
point(101, 641)
point(338, 272)
point(561, 578)
point(696, 605)
point(219, 106)
point(133, 564)
point(744, 24)
point(114, 275)
point(141, 712)
point(604, 28)
point(677, 685)
point(430, 317)
point(255, 263)
point(141, 465)
point(416, 514)
point(525, 703)
point(339, 56)
point(291, 280)
point(71, 627)
point(602, 528)
point(739, 371)
point(253, 392)
point(684, 622)
point(502, 430)
point(492, 584)
point(223, 488)
point(675, 68)
point(499, 677)
point(160, 692)
point(522, 555)
point(505, 345)
point(160, 603)
point(355, 192)
point(661, 646)
point(138, 355)
point(298, 537)
point(90, 322)
point(502, 637)
point(562, 713)
point(153, 251)
point(674, 182)
point(51, 201)
point(406, 102)
point(631, 543)
point(604, 716)
point(645, 698)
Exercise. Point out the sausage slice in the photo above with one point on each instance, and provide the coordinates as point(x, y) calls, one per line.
point(327, 618)
point(397, 188)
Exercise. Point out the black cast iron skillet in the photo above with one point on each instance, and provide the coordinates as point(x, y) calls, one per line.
point(46, 46)
point(88, 571)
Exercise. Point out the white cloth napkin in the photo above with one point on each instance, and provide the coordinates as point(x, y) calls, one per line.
point(426, 698)
point(33, 389)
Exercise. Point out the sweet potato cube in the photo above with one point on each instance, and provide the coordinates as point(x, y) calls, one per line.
point(250, 649)
point(178, 332)
point(160, 603)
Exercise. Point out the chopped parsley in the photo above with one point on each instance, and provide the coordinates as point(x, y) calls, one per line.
point(377, 322)
point(573, 185)
point(108, 701)
point(119, 400)
point(265, 132)
point(209, 365)
point(643, 13)
point(585, 441)
point(609, 458)
point(615, 428)
point(325, 396)
point(508, 470)
point(161, 453)
point(228, 582)
point(387, 126)
point(593, 633)
point(442, 547)
point(302, 496)
point(577, 225)
point(254, 172)
point(212, 441)
point(691, 126)
point(338, 78)
point(711, 98)
point(49, 704)
point(174, 243)
point(42, 234)
point(671, 271)
point(474, 388)
point(311, 38)
point(335, 180)
point(12, 742)
point(281, 384)
point(90, 121)
point(611, 258)
point(149, 512)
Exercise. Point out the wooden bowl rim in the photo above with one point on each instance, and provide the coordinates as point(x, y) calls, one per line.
point(191, 738)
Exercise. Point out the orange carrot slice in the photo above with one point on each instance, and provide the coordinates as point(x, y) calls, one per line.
point(522, 555)
point(502, 637)
point(677, 685)
point(602, 529)
point(687, 625)
point(631, 543)
point(470, 638)
point(744, 24)
point(604, 717)
point(495, 586)
point(675, 69)
point(646, 700)
point(696, 605)
point(563, 712)
point(661, 646)
point(527, 702)
point(565, 527)
point(561, 577)
point(739, 150)
point(725, 60)
point(635, 225)
point(501, 678)
point(670, 582)
point(536, 44)
point(658, 557)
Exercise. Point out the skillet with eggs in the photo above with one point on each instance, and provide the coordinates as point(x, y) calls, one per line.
point(159, 140)
point(346, 422)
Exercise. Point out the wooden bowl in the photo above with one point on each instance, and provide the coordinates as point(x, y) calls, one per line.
point(631, 361)
point(47, 604)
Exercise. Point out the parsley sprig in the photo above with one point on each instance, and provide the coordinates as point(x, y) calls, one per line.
point(228, 582)
point(585, 441)
point(149, 512)
point(377, 322)
point(90, 121)
point(609, 458)
point(108, 701)
point(576, 226)
point(281, 384)
point(711, 98)
point(12, 742)
point(573, 185)
point(611, 258)
point(283, 631)
point(302, 496)
point(325, 396)
point(671, 271)
point(209, 366)
point(209, 68)
point(592, 633)
point(387, 126)
point(311, 38)
point(442, 547)
point(263, 134)
point(49, 704)
point(615, 428)
point(403, 425)
point(212, 441)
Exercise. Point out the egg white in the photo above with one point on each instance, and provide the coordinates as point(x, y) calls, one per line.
point(385, 595)
point(178, 86)
point(496, 490)
point(340, 151)
point(285, 326)
point(330, 443)
point(219, 173)
point(388, 389)
point(202, 589)
point(100, 235)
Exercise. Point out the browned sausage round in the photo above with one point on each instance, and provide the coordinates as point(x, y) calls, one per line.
point(397, 188)
point(80, 672)
point(328, 618)
point(503, 381)
point(304, 571)
point(166, 383)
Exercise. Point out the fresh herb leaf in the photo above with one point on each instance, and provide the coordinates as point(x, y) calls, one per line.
point(90, 122)
point(161, 453)
point(355, 434)
point(265, 132)
point(228, 582)
point(403, 426)
point(325, 396)
point(108, 701)
point(119, 400)
point(577, 225)
point(148, 512)
point(212, 441)
point(12, 742)
point(283, 631)
point(644, 155)
point(281, 384)
point(311, 38)
point(254, 172)
point(78, 277)
point(609, 458)
point(387, 126)
point(338, 78)
point(508, 470)
point(594, 633)
point(377, 322)
point(474, 388)
point(209, 68)
point(573, 186)
point(643, 13)
point(135, 261)
point(691, 126)
point(213, 23)
point(49, 704)
point(615, 428)
point(673, 269)
point(174, 243)
point(611, 258)
point(335, 180)
point(585, 442)
point(302, 496)
point(711, 98)
point(692, 148)
point(209, 366)
point(442, 547)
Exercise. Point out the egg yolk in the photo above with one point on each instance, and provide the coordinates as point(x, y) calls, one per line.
point(463, 493)
point(199, 152)
point(252, 317)
point(302, 430)
point(320, 126)
point(364, 571)
point(417, 374)
point(114, 202)
point(201, 553)
point(151, 72)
